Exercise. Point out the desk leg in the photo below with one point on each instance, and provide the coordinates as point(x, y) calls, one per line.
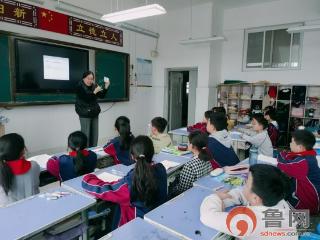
point(84, 216)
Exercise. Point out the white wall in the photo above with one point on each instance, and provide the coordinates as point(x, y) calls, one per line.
point(266, 14)
point(45, 128)
point(173, 28)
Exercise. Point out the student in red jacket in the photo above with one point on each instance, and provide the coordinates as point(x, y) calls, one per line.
point(200, 126)
point(301, 165)
point(118, 148)
point(141, 190)
point(78, 162)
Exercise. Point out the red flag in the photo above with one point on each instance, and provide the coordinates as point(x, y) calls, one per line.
point(52, 21)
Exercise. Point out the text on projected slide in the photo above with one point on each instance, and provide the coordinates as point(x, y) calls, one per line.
point(55, 68)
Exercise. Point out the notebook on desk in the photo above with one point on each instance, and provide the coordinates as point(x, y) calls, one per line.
point(108, 177)
point(169, 164)
point(41, 160)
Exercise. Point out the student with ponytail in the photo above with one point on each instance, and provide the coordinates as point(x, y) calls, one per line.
point(141, 190)
point(200, 164)
point(118, 148)
point(19, 178)
point(78, 162)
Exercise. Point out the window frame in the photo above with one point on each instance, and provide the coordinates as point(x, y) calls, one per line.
point(264, 29)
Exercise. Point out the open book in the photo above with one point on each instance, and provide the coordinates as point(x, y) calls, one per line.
point(169, 164)
point(108, 177)
point(267, 160)
point(41, 160)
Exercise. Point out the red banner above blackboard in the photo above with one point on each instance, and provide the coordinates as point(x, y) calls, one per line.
point(41, 18)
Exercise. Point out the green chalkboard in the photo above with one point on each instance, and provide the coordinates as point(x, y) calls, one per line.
point(114, 65)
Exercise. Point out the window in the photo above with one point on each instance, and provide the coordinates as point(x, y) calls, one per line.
point(272, 48)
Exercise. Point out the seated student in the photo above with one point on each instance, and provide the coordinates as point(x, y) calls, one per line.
point(230, 123)
point(261, 139)
point(201, 126)
point(19, 178)
point(273, 127)
point(301, 165)
point(118, 148)
point(200, 164)
point(265, 189)
point(219, 141)
point(141, 190)
point(159, 138)
point(78, 162)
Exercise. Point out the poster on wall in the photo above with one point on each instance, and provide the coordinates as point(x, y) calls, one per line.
point(144, 72)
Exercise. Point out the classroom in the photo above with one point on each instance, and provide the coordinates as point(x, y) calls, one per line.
point(159, 119)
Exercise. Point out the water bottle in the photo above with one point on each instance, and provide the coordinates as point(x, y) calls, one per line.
point(253, 156)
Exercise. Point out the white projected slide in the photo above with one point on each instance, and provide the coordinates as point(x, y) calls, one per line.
point(55, 68)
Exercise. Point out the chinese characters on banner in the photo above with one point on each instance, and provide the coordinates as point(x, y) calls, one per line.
point(41, 18)
point(85, 29)
point(18, 13)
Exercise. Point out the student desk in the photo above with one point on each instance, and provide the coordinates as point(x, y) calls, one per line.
point(138, 229)
point(181, 215)
point(74, 184)
point(32, 215)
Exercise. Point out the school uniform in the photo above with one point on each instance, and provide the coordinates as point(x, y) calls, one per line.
point(119, 155)
point(63, 167)
point(220, 148)
point(25, 181)
point(120, 192)
point(273, 132)
point(305, 179)
point(261, 141)
point(191, 172)
point(160, 141)
point(212, 214)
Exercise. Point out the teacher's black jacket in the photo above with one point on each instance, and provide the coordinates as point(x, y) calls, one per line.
point(86, 101)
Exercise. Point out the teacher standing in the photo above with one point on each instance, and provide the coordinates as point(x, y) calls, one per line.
point(87, 107)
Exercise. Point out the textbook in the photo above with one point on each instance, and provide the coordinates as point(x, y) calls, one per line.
point(174, 151)
point(108, 177)
point(169, 164)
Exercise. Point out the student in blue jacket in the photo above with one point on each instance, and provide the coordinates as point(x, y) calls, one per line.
point(141, 190)
point(219, 142)
point(78, 162)
point(119, 147)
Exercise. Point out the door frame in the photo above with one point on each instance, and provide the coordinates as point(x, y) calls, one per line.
point(166, 99)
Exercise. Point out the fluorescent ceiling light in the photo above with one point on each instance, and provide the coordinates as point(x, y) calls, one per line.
point(307, 28)
point(134, 13)
point(201, 40)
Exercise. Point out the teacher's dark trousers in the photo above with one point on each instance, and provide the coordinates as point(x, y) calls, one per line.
point(90, 127)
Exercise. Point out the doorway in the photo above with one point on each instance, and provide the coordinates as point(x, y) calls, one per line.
point(181, 97)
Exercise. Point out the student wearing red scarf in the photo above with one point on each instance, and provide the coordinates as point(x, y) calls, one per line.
point(19, 178)
point(78, 162)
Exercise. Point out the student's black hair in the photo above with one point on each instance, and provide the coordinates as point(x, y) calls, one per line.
point(159, 123)
point(200, 141)
point(304, 138)
point(207, 114)
point(260, 119)
point(218, 120)
point(87, 73)
point(11, 148)
point(77, 141)
point(122, 125)
point(269, 183)
point(271, 113)
point(219, 109)
point(144, 187)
